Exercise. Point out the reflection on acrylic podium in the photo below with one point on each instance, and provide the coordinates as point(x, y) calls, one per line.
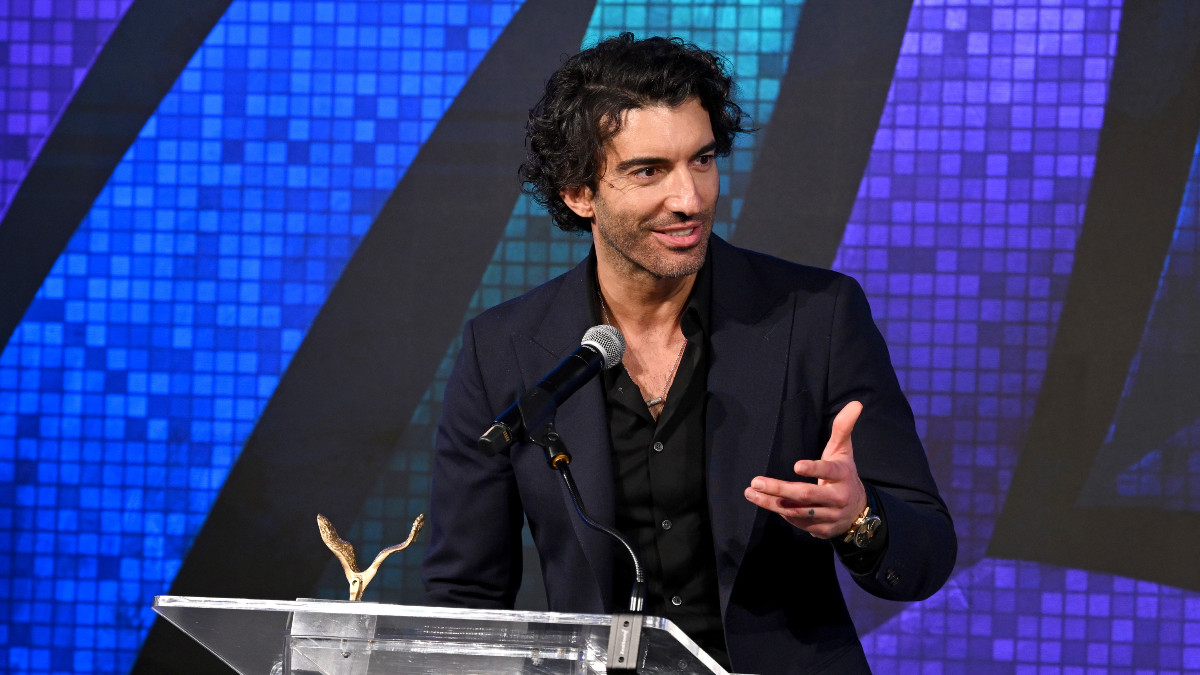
point(275, 637)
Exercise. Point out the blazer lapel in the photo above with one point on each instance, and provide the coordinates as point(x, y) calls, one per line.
point(581, 419)
point(751, 333)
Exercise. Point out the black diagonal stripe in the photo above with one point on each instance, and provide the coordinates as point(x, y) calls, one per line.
point(806, 178)
point(372, 352)
point(1150, 130)
point(817, 146)
point(136, 68)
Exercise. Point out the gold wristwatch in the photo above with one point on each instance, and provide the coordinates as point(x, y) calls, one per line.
point(863, 528)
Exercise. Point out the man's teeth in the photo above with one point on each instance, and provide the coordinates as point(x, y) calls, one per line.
point(681, 233)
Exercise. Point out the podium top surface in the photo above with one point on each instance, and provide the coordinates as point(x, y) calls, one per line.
point(169, 602)
point(265, 636)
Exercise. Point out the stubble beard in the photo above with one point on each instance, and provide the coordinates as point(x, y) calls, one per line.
point(633, 247)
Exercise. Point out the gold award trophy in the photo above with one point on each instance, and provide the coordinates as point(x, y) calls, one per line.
point(345, 554)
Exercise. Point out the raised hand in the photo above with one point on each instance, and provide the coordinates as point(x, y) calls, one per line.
point(829, 507)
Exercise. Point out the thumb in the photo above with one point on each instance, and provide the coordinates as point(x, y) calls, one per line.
point(843, 424)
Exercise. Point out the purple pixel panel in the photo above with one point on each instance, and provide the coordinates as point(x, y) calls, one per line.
point(46, 47)
point(963, 236)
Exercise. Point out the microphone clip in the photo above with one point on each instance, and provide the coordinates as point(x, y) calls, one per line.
point(538, 409)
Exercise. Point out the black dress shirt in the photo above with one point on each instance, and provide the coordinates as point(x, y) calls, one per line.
point(661, 493)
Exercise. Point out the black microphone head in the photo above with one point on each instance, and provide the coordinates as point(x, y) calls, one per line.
point(608, 341)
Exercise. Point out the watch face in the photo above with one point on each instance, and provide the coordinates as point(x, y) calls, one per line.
point(866, 531)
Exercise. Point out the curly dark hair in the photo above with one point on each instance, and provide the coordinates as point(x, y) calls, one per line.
point(584, 99)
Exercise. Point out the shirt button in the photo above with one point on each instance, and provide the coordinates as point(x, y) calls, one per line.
point(666, 524)
point(658, 446)
point(676, 600)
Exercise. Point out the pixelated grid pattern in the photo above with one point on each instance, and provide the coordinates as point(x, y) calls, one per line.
point(964, 230)
point(756, 37)
point(159, 336)
point(126, 394)
point(1004, 616)
point(963, 237)
point(45, 50)
point(1166, 475)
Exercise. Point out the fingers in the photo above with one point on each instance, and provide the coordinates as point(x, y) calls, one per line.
point(819, 520)
point(793, 498)
point(823, 469)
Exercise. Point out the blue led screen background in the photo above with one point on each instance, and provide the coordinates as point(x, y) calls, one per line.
point(237, 243)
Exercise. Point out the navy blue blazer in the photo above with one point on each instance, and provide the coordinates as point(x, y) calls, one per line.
point(789, 346)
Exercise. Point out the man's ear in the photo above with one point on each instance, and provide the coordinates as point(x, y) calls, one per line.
point(579, 200)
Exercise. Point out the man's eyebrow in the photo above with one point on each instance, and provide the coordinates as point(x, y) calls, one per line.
point(658, 161)
point(640, 161)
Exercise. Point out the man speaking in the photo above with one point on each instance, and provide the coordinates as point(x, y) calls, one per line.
point(754, 432)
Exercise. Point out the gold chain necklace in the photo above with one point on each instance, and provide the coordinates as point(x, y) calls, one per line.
point(661, 399)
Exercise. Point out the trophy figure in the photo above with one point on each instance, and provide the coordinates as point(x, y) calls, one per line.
point(345, 554)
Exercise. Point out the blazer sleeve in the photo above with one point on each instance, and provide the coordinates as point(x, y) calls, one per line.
point(921, 544)
point(471, 561)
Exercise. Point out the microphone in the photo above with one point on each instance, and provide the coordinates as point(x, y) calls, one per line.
point(602, 348)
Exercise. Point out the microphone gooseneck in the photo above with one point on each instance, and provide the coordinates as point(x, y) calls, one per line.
point(637, 594)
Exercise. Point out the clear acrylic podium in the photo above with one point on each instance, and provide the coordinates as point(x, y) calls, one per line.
point(305, 637)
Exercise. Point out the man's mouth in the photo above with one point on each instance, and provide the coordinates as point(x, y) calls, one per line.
point(680, 233)
point(680, 237)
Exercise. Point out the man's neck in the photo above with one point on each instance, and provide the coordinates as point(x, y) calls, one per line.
point(645, 306)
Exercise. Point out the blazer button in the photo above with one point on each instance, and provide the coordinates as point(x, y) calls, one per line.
point(892, 577)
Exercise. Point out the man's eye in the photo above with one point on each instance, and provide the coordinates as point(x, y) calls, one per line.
point(646, 172)
point(705, 160)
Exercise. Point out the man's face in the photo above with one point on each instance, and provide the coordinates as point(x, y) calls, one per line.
point(652, 212)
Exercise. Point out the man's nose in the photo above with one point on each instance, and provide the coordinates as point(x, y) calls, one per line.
point(685, 193)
